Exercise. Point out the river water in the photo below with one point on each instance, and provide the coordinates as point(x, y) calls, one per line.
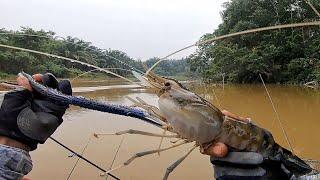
point(298, 109)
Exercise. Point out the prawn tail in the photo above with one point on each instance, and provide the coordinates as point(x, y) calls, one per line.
point(293, 163)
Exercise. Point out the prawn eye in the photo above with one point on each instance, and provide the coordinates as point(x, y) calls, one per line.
point(167, 84)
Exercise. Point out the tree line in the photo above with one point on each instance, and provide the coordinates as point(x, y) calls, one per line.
point(280, 56)
point(13, 61)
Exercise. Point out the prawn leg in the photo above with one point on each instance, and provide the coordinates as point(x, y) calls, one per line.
point(144, 153)
point(176, 163)
point(132, 131)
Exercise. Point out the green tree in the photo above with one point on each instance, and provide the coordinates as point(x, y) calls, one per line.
point(12, 61)
point(280, 56)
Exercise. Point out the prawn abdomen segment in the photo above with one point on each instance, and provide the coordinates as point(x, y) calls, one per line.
point(245, 136)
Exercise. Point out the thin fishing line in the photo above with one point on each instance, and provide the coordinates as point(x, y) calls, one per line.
point(115, 155)
point(223, 75)
point(277, 115)
point(75, 164)
point(68, 59)
point(83, 158)
point(215, 95)
point(315, 23)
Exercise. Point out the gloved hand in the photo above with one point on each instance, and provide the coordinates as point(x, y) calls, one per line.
point(49, 113)
point(28, 117)
point(247, 165)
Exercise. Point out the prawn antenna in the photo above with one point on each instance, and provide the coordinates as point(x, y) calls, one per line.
point(87, 72)
point(211, 40)
point(73, 43)
point(67, 59)
point(312, 7)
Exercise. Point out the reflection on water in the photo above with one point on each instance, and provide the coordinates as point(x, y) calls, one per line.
point(298, 108)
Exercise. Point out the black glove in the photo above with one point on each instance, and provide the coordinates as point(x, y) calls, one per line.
point(49, 113)
point(248, 165)
point(30, 118)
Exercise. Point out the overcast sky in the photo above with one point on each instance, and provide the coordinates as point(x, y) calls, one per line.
point(141, 28)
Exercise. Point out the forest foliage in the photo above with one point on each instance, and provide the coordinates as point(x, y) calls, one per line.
point(13, 61)
point(280, 56)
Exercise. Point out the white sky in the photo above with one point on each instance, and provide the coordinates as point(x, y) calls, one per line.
point(141, 28)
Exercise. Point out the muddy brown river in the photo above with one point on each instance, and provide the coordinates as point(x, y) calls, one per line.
point(298, 108)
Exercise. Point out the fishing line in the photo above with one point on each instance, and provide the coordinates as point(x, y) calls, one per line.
point(284, 26)
point(277, 115)
point(75, 164)
point(223, 75)
point(215, 95)
point(116, 154)
point(83, 158)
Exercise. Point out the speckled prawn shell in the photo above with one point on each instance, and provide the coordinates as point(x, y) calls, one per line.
point(245, 136)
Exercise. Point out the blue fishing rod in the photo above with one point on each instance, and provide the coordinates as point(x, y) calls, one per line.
point(56, 96)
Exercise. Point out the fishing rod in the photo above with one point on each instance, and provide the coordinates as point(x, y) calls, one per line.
point(83, 158)
point(56, 96)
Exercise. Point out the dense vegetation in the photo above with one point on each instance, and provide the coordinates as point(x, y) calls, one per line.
point(281, 56)
point(13, 61)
